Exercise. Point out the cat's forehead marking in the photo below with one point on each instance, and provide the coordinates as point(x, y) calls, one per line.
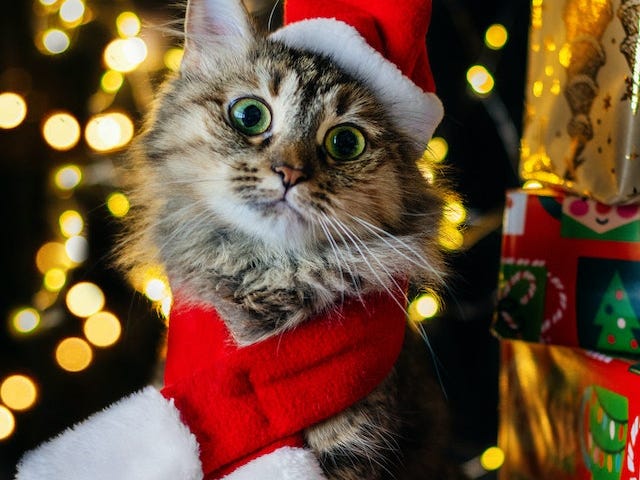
point(275, 81)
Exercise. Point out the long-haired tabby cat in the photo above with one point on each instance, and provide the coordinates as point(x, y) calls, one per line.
point(272, 185)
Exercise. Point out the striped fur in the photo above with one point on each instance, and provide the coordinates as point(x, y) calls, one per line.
point(208, 205)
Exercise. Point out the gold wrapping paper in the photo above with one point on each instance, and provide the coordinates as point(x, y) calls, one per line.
point(582, 124)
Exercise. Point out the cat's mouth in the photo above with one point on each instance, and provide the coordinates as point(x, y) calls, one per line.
point(282, 209)
point(284, 206)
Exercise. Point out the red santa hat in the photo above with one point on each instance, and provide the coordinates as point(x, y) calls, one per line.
point(379, 42)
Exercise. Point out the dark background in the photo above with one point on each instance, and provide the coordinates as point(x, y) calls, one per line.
point(482, 134)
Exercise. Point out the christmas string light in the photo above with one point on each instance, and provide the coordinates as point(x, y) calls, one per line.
point(18, 392)
point(61, 131)
point(57, 24)
point(480, 80)
point(496, 36)
point(13, 110)
point(25, 320)
point(7, 423)
point(437, 150)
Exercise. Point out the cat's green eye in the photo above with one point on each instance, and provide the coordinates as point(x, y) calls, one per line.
point(344, 142)
point(250, 116)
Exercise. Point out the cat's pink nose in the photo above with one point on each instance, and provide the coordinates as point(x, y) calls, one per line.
point(290, 176)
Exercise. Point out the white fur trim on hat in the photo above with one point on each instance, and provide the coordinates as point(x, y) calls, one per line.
point(286, 463)
point(416, 112)
point(138, 438)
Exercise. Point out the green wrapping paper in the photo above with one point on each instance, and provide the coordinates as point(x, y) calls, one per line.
point(582, 130)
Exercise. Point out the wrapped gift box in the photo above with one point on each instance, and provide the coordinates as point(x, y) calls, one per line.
point(567, 413)
point(570, 272)
point(582, 128)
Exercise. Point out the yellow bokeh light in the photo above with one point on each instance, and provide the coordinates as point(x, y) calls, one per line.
point(52, 255)
point(125, 54)
point(43, 299)
point(437, 150)
point(165, 306)
point(118, 204)
point(61, 131)
point(532, 185)
point(454, 212)
point(537, 88)
point(450, 238)
point(48, 3)
point(549, 44)
point(140, 275)
point(173, 58)
point(77, 248)
point(128, 24)
point(492, 458)
point(13, 110)
point(72, 11)
point(427, 305)
point(109, 131)
point(68, 177)
point(18, 392)
point(480, 79)
point(84, 299)
point(424, 307)
point(427, 172)
point(54, 279)
point(102, 329)
point(156, 289)
point(71, 223)
point(111, 81)
point(7, 422)
point(55, 41)
point(74, 354)
point(564, 55)
point(25, 320)
point(496, 36)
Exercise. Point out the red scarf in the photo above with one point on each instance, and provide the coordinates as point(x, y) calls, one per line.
point(241, 403)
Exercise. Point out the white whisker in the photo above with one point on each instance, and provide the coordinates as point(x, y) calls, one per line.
point(346, 245)
point(357, 242)
point(418, 261)
point(335, 250)
point(436, 360)
point(418, 258)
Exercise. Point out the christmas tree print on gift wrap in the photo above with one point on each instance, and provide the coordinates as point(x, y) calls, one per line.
point(608, 305)
point(617, 319)
point(604, 439)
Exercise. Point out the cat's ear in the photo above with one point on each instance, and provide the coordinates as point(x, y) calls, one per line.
point(215, 29)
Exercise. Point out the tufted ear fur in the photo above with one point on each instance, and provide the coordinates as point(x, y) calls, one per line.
point(215, 29)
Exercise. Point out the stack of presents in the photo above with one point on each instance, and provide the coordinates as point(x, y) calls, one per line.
point(569, 293)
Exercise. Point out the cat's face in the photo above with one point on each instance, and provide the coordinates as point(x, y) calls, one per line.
point(277, 143)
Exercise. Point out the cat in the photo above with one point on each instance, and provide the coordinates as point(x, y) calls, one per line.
point(273, 185)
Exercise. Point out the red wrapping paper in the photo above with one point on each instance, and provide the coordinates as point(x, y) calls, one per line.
point(570, 272)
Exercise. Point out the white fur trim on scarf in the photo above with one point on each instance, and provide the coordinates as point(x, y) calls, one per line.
point(416, 112)
point(286, 463)
point(138, 438)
